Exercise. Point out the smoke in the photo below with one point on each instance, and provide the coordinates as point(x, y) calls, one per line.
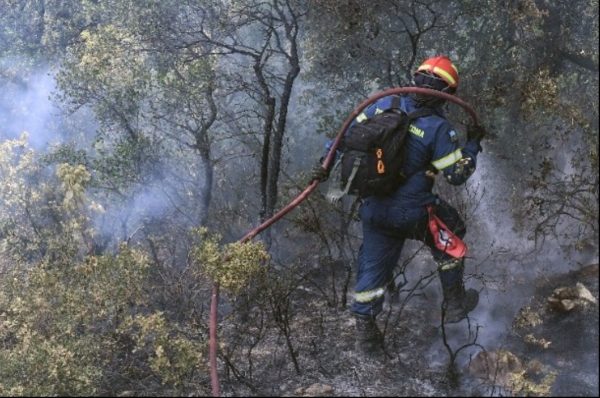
point(26, 106)
point(504, 264)
point(151, 207)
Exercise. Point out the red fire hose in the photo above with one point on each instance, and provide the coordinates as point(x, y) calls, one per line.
point(214, 376)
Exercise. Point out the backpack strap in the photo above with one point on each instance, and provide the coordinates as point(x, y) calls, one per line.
point(335, 194)
point(395, 102)
point(420, 112)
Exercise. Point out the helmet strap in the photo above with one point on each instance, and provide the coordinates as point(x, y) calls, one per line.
point(431, 81)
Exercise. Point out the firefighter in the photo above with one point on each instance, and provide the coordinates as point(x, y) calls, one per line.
point(431, 147)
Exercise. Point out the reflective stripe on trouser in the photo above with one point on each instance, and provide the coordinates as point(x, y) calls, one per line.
point(447, 265)
point(369, 295)
point(451, 272)
point(377, 258)
point(384, 233)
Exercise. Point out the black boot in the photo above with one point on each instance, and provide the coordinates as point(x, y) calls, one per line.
point(369, 339)
point(458, 302)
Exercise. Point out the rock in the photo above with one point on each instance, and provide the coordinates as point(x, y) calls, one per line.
point(565, 299)
point(528, 317)
point(584, 294)
point(504, 369)
point(564, 305)
point(499, 367)
point(314, 390)
point(566, 343)
point(540, 342)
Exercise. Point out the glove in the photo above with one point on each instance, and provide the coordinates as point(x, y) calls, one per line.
point(319, 173)
point(475, 132)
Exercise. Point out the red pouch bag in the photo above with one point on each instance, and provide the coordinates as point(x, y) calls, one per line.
point(444, 239)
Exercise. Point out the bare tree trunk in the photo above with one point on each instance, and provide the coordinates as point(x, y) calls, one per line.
point(203, 145)
point(291, 31)
point(265, 161)
point(205, 187)
point(277, 147)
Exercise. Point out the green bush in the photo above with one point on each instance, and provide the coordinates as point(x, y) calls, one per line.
point(72, 323)
point(234, 265)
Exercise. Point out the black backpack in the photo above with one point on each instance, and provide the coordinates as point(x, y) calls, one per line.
point(373, 152)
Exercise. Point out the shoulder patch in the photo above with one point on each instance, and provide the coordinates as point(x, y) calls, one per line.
point(453, 135)
point(416, 131)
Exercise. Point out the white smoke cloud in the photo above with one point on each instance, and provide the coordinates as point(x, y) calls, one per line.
point(26, 105)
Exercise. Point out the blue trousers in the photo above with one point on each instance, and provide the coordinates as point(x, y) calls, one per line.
point(385, 229)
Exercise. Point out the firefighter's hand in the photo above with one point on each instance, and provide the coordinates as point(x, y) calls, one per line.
point(476, 132)
point(318, 173)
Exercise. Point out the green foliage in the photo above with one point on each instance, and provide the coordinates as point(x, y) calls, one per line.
point(149, 97)
point(234, 266)
point(65, 324)
point(23, 199)
point(107, 69)
point(67, 318)
point(41, 215)
point(65, 153)
point(166, 348)
point(122, 162)
point(58, 319)
point(179, 88)
point(74, 180)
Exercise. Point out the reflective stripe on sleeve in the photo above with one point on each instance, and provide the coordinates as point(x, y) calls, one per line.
point(447, 160)
point(369, 295)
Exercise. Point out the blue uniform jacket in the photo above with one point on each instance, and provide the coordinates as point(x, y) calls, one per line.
point(432, 144)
